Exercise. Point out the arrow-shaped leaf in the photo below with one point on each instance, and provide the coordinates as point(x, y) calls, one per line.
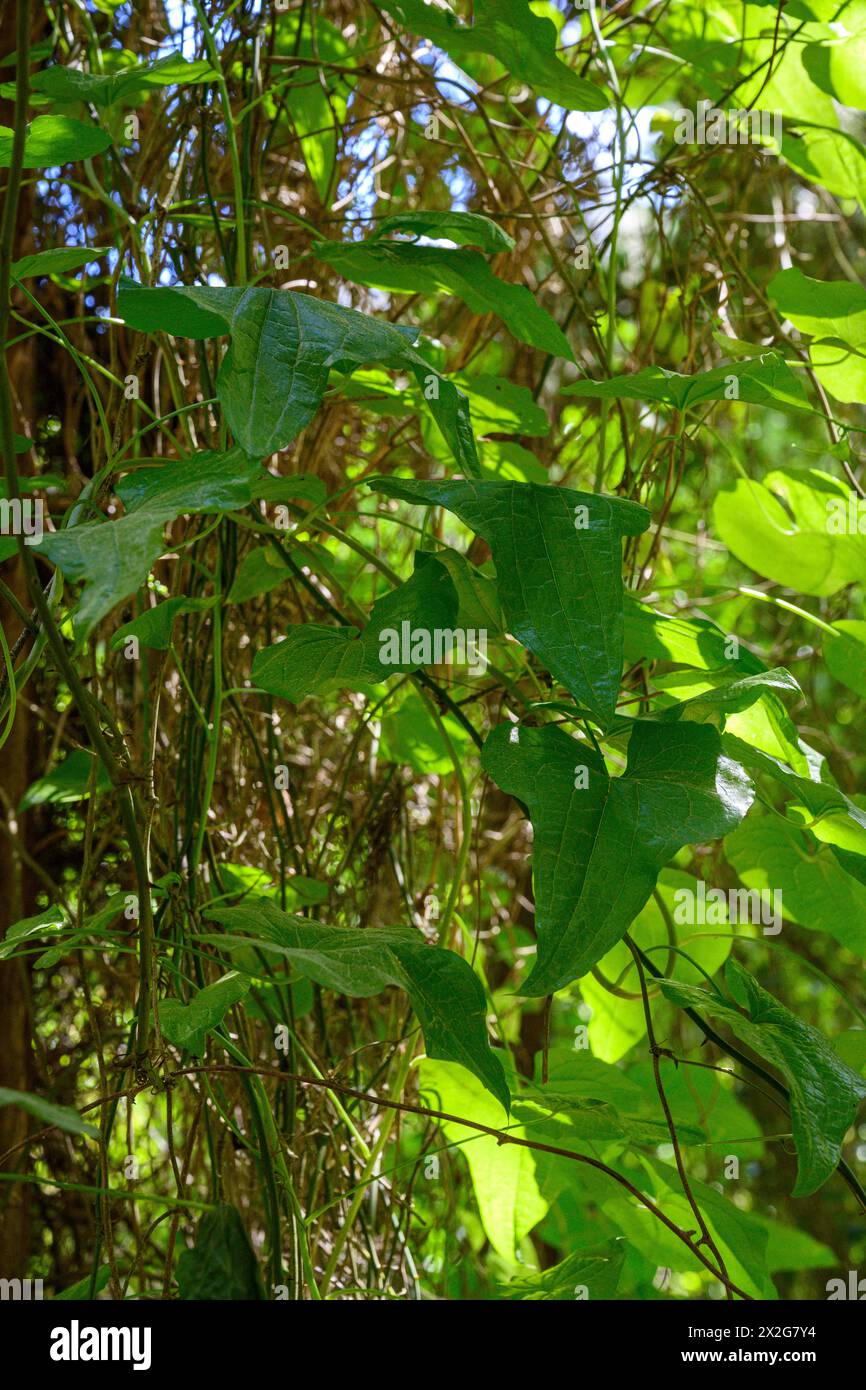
point(600, 842)
point(114, 557)
point(187, 1025)
point(825, 1093)
point(558, 558)
point(314, 658)
point(445, 992)
point(284, 347)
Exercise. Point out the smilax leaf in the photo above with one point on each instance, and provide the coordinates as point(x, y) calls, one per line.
point(221, 1265)
point(314, 658)
point(284, 347)
point(558, 558)
point(825, 1093)
point(600, 842)
point(114, 557)
point(187, 1025)
point(445, 992)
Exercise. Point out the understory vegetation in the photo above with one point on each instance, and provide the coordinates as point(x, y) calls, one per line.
point(433, 839)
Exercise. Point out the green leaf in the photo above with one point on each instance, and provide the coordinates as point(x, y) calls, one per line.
point(114, 558)
point(695, 642)
point(618, 1023)
point(724, 694)
point(741, 1238)
point(317, 97)
point(284, 347)
point(87, 1286)
point(829, 157)
point(593, 1118)
point(67, 782)
point(833, 314)
point(587, 1274)
point(54, 140)
point(509, 1201)
point(825, 1093)
point(444, 990)
point(405, 268)
point(560, 585)
point(500, 406)
point(187, 1025)
point(49, 922)
point(314, 658)
point(800, 544)
point(466, 228)
point(128, 84)
point(846, 655)
point(304, 487)
point(154, 627)
point(765, 380)
point(61, 1116)
point(769, 853)
point(831, 815)
point(411, 735)
point(56, 261)
point(261, 570)
point(598, 849)
point(221, 1265)
point(509, 31)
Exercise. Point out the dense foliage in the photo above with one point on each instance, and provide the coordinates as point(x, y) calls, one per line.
point(434, 550)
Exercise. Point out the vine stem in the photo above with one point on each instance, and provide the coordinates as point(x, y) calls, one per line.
point(231, 136)
point(655, 1052)
point(117, 774)
point(407, 1108)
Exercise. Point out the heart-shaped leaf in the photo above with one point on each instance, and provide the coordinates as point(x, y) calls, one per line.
point(600, 842)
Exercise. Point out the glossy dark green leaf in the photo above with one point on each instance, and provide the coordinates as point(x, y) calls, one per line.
point(598, 849)
point(113, 558)
point(127, 84)
point(466, 228)
point(825, 1093)
point(68, 781)
point(444, 991)
point(314, 658)
point(187, 1025)
point(284, 348)
point(765, 380)
point(406, 268)
point(47, 1113)
point(730, 694)
point(586, 1274)
point(56, 261)
point(558, 558)
point(155, 625)
point(55, 140)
